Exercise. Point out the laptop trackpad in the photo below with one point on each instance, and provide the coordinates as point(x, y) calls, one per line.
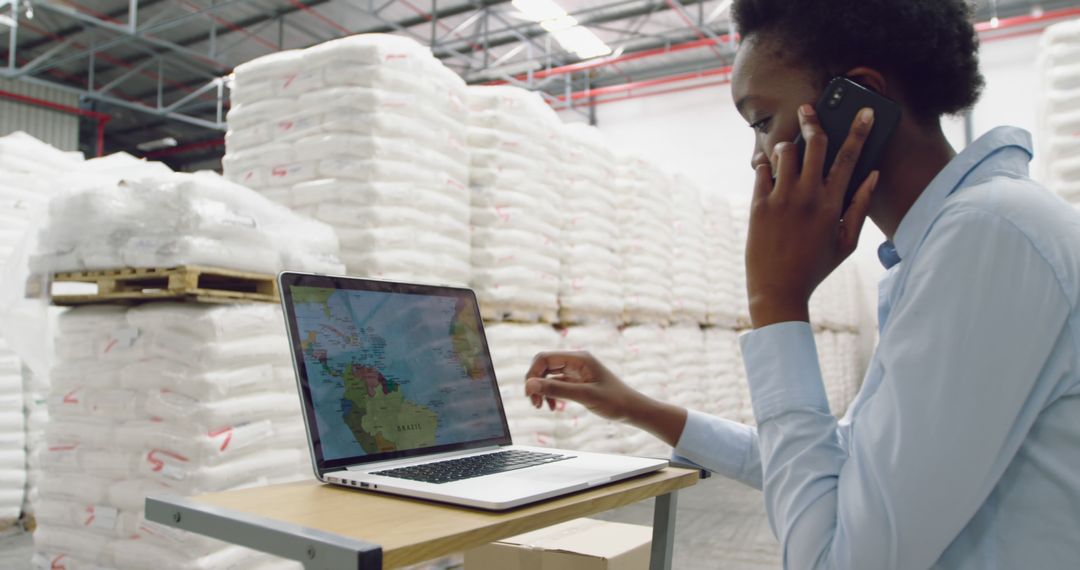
point(562, 475)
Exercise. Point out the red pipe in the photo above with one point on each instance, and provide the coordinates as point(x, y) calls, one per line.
point(593, 93)
point(101, 118)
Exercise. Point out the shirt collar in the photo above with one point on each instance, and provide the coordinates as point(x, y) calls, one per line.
point(1010, 149)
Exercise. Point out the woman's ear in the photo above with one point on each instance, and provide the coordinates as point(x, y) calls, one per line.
point(869, 78)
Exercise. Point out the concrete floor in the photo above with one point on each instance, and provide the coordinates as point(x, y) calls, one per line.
point(721, 525)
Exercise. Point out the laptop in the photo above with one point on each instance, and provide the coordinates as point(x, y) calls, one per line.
point(399, 396)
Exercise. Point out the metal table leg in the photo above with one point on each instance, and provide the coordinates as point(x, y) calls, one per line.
point(316, 550)
point(663, 537)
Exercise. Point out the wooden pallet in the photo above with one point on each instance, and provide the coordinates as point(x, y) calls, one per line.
point(188, 283)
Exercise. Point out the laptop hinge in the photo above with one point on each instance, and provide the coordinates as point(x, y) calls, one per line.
point(419, 459)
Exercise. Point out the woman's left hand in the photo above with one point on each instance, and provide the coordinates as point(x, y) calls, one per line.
point(796, 235)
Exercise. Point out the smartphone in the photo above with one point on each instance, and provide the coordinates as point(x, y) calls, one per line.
point(836, 110)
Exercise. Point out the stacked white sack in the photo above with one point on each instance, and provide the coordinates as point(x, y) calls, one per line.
point(646, 239)
point(835, 303)
point(366, 133)
point(12, 439)
point(688, 267)
point(179, 219)
point(589, 288)
point(36, 408)
point(515, 205)
point(647, 368)
point(162, 399)
point(690, 380)
point(725, 265)
point(513, 347)
point(740, 219)
point(1058, 129)
point(728, 393)
point(575, 426)
point(21, 153)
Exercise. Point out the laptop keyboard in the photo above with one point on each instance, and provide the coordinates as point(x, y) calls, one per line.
point(470, 467)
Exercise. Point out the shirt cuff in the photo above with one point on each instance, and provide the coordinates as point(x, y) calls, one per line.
point(782, 370)
point(718, 445)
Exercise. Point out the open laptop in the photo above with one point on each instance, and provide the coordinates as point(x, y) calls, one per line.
point(400, 396)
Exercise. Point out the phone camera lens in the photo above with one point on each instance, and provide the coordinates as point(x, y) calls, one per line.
point(836, 98)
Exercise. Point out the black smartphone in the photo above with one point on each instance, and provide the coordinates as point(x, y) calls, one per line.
point(837, 109)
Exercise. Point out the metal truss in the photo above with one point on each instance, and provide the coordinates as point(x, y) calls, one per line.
point(488, 45)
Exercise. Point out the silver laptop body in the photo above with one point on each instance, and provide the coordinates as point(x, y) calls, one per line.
point(396, 376)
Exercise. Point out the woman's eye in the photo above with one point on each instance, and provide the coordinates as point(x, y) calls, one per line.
point(762, 126)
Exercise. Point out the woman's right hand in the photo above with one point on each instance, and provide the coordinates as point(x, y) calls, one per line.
point(580, 377)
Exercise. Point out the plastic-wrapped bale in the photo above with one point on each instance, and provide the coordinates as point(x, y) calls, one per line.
point(513, 347)
point(515, 232)
point(169, 399)
point(1058, 122)
point(728, 393)
point(690, 380)
point(35, 406)
point(740, 220)
point(575, 426)
point(725, 263)
point(689, 284)
point(589, 288)
point(647, 368)
point(21, 153)
point(180, 219)
point(12, 439)
point(366, 133)
point(646, 234)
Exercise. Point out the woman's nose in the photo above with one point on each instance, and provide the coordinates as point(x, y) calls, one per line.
point(759, 159)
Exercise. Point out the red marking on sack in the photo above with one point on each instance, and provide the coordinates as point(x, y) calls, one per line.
point(502, 213)
point(112, 344)
point(89, 519)
point(279, 171)
point(227, 431)
point(286, 125)
point(393, 56)
point(70, 398)
point(64, 447)
point(159, 464)
point(55, 563)
point(289, 80)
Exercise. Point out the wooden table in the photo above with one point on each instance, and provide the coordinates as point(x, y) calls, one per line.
point(332, 528)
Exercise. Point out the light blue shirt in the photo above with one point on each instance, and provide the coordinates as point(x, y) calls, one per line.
point(962, 449)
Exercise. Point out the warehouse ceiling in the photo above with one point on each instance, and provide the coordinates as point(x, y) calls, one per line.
point(157, 66)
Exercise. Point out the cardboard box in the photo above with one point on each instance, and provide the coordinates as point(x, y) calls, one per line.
point(582, 544)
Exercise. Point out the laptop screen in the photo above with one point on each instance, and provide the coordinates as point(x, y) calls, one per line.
point(390, 370)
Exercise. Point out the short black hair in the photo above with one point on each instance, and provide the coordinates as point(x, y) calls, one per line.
point(929, 47)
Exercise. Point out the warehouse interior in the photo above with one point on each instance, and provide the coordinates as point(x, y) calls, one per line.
point(580, 165)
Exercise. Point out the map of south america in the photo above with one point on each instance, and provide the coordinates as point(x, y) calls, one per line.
point(391, 372)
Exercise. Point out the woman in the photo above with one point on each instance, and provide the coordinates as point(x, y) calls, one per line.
point(962, 449)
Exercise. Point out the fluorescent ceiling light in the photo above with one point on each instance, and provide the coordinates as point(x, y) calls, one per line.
point(559, 24)
point(167, 142)
point(539, 10)
point(7, 21)
point(582, 42)
point(563, 27)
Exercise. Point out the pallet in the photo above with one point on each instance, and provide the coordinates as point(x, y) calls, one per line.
point(187, 283)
